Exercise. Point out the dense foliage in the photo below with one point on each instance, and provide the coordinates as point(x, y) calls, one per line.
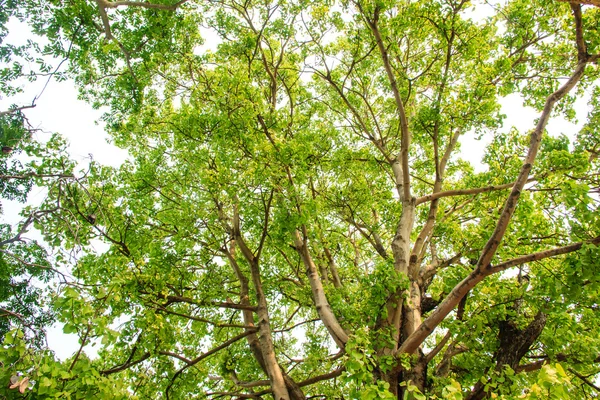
point(295, 219)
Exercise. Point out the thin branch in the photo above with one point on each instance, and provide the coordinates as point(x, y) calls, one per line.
point(83, 343)
point(372, 237)
point(544, 359)
point(34, 175)
point(539, 256)
point(310, 381)
point(405, 133)
point(584, 380)
point(208, 354)
point(289, 328)
point(463, 192)
point(265, 224)
point(31, 264)
point(251, 384)
point(206, 321)
point(6, 312)
point(438, 348)
point(115, 4)
point(25, 226)
point(431, 269)
point(182, 299)
point(177, 356)
point(323, 377)
point(126, 365)
point(361, 122)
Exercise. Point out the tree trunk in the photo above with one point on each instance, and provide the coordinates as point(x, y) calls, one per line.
point(514, 344)
point(278, 385)
point(417, 376)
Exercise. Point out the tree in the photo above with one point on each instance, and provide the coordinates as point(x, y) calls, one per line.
point(295, 219)
point(26, 267)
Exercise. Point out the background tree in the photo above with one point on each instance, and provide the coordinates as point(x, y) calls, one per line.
point(295, 219)
point(26, 267)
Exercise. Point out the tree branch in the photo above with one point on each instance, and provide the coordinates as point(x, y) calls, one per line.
point(405, 133)
point(481, 270)
point(25, 226)
point(115, 4)
point(431, 355)
point(454, 297)
point(584, 379)
point(123, 367)
point(177, 356)
point(310, 381)
point(535, 141)
point(209, 353)
point(206, 321)
point(14, 110)
point(182, 299)
point(321, 303)
point(539, 256)
point(462, 192)
point(6, 312)
point(34, 175)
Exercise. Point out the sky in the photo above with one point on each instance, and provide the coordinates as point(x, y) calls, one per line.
point(59, 110)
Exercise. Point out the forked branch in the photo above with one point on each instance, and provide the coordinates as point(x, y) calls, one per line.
point(460, 290)
point(209, 353)
point(14, 110)
point(539, 256)
point(483, 267)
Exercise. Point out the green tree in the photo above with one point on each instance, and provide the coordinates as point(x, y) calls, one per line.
point(22, 261)
point(295, 219)
point(25, 266)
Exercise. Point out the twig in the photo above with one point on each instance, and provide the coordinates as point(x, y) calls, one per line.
point(34, 175)
point(207, 354)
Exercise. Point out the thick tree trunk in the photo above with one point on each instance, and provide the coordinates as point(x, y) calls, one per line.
point(401, 252)
point(417, 376)
point(403, 310)
point(514, 344)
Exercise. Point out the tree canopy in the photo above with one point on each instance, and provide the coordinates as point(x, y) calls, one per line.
point(296, 219)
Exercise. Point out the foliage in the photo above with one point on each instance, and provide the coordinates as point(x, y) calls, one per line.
point(25, 268)
point(296, 220)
